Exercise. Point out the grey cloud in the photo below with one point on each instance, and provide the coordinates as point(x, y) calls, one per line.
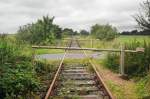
point(77, 14)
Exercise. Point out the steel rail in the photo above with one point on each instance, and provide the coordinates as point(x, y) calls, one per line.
point(56, 75)
point(101, 81)
point(50, 90)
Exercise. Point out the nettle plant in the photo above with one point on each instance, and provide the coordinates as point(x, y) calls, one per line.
point(17, 75)
point(19, 81)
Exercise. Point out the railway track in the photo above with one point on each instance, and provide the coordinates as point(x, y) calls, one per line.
point(75, 81)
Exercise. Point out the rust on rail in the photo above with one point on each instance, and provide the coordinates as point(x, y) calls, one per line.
point(100, 79)
point(55, 78)
point(50, 90)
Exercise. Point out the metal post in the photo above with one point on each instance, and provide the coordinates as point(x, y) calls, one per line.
point(122, 61)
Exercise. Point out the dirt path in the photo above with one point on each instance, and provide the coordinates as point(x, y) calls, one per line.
point(121, 89)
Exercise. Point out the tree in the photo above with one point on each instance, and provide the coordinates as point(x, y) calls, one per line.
point(75, 33)
point(68, 32)
point(143, 18)
point(104, 32)
point(57, 31)
point(41, 32)
point(84, 32)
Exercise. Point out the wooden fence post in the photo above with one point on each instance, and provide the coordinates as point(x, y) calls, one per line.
point(122, 56)
point(33, 56)
point(91, 43)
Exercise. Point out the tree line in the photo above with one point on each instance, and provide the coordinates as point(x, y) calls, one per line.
point(135, 32)
point(43, 31)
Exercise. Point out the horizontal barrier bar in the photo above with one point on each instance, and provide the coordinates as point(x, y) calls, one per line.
point(77, 48)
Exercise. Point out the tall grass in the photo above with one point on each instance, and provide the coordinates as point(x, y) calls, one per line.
point(19, 77)
point(136, 64)
point(11, 50)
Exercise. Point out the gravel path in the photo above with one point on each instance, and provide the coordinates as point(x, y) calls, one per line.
point(69, 55)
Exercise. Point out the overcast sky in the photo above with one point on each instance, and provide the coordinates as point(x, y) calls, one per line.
point(76, 14)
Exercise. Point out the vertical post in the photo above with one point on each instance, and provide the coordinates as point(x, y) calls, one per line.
point(91, 43)
point(33, 55)
point(122, 61)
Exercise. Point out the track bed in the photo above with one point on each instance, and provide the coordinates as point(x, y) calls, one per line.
point(77, 82)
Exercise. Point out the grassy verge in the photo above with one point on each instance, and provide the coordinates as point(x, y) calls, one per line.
point(48, 51)
point(120, 89)
point(124, 89)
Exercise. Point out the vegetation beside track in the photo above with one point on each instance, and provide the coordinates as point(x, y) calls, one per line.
point(23, 77)
point(136, 65)
point(123, 89)
point(20, 75)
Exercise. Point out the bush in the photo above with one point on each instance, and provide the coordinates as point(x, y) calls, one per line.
point(17, 75)
point(136, 64)
point(19, 81)
point(112, 61)
point(104, 32)
point(43, 31)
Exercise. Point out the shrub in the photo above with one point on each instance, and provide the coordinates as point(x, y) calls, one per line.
point(112, 61)
point(136, 64)
point(104, 32)
point(17, 75)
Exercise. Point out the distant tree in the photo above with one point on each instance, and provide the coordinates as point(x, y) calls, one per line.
point(57, 31)
point(75, 33)
point(104, 32)
point(41, 32)
point(68, 32)
point(135, 32)
point(84, 32)
point(143, 18)
point(3, 35)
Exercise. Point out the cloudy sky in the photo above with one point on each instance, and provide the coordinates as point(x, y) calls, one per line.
point(76, 14)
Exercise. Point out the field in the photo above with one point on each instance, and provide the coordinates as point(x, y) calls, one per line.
point(124, 39)
point(89, 42)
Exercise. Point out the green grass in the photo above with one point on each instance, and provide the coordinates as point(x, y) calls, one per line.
point(48, 51)
point(132, 89)
point(116, 89)
point(111, 44)
point(127, 38)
